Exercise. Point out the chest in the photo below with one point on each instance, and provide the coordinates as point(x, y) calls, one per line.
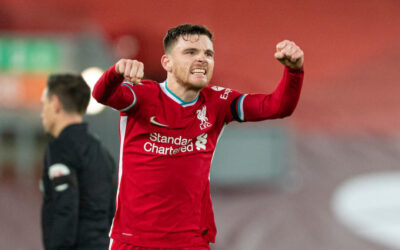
point(164, 127)
point(167, 117)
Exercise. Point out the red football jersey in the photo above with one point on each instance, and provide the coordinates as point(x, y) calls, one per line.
point(167, 146)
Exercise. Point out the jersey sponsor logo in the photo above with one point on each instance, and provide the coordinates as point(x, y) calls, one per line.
point(225, 95)
point(170, 145)
point(153, 121)
point(201, 142)
point(59, 170)
point(166, 145)
point(201, 115)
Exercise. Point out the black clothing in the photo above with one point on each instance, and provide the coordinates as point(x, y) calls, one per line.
point(79, 181)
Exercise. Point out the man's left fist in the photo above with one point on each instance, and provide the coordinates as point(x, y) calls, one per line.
point(289, 54)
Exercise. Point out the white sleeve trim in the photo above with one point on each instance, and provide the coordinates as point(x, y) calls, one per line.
point(240, 107)
point(134, 98)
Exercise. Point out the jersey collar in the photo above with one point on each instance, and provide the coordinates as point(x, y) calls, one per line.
point(175, 98)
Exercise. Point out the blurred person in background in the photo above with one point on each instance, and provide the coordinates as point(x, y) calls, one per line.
point(169, 132)
point(79, 175)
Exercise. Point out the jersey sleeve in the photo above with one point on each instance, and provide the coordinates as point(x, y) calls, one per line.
point(279, 104)
point(227, 97)
point(111, 90)
point(64, 191)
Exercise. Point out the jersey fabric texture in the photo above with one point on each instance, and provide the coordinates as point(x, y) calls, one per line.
point(79, 181)
point(167, 146)
point(117, 245)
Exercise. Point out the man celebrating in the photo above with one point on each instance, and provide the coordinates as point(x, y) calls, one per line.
point(169, 132)
point(79, 175)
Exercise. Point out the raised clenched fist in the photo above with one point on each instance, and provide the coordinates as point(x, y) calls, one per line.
point(289, 54)
point(132, 70)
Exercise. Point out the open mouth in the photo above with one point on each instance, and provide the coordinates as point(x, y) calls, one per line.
point(198, 71)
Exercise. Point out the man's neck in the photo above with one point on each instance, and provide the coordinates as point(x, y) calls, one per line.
point(180, 90)
point(66, 120)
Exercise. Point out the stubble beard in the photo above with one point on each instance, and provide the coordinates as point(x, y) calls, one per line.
point(192, 86)
point(187, 84)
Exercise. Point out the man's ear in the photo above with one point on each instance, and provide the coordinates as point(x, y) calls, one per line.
point(166, 63)
point(56, 103)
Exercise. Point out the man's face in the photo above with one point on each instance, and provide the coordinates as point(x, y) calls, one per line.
point(48, 113)
point(192, 61)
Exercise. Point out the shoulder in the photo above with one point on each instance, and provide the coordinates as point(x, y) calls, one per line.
point(145, 87)
point(219, 94)
point(95, 143)
point(91, 147)
point(145, 84)
point(61, 145)
point(212, 91)
point(61, 151)
point(68, 145)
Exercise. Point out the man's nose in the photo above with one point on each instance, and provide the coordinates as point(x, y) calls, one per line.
point(201, 57)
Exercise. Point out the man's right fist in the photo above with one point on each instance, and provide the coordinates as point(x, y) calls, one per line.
point(132, 70)
point(289, 54)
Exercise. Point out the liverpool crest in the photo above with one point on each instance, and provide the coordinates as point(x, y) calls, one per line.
point(201, 115)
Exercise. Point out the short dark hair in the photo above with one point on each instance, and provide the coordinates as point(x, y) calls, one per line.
point(173, 34)
point(72, 90)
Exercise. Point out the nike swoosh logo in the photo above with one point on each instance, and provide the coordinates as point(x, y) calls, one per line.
point(153, 120)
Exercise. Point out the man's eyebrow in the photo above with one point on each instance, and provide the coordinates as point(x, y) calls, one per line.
point(196, 49)
point(190, 49)
point(210, 51)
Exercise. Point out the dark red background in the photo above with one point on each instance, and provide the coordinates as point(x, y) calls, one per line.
point(351, 47)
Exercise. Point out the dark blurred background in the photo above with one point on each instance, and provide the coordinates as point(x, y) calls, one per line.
point(325, 178)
